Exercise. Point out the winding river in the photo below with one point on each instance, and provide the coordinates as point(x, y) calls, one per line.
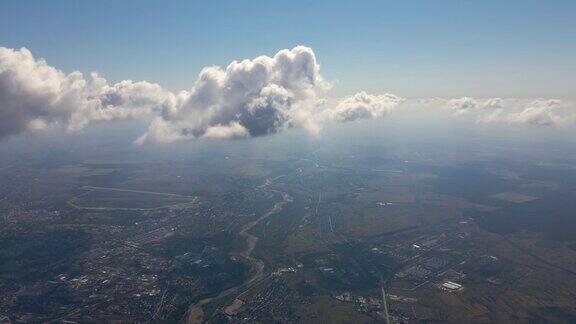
point(195, 313)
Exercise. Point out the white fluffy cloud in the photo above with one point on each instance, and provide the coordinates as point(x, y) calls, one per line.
point(462, 105)
point(541, 112)
point(36, 96)
point(249, 98)
point(537, 112)
point(467, 104)
point(364, 106)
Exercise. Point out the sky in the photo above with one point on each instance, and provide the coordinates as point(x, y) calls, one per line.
point(415, 49)
point(193, 70)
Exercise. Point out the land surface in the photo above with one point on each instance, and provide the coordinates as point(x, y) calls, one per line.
point(269, 231)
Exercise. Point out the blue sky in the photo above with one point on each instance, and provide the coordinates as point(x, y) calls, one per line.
point(411, 48)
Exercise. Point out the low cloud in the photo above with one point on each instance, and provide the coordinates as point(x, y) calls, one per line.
point(467, 104)
point(248, 98)
point(462, 105)
point(364, 106)
point(35, 96)
point(536, 112)
point(540, 112)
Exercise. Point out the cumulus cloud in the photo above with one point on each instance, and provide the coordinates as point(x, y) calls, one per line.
point(467, 104)
point(364, 106)
point(539, 112)
point(248, 98)
point(232, 130)
point(36, 96)
point(462, 105)
point(492, 103)
point(536, 116)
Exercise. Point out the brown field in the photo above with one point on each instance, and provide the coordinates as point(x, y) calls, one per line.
point(513, 197)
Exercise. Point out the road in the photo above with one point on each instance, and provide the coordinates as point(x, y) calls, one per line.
point(137, 191)
point(89, 189)
point(384, 303)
